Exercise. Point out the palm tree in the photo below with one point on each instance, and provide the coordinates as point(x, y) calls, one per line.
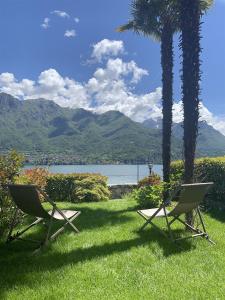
point(159, 19)
point(190, 22)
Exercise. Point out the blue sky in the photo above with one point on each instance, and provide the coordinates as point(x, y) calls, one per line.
point(68, 51)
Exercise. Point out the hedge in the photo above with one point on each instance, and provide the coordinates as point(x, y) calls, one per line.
point(77, 187)
point(206, 170)
point(10, 165)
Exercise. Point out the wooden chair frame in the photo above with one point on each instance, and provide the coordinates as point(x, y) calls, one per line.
point(47, 219)
point(176, 217)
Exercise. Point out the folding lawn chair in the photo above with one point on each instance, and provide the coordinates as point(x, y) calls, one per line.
point(27, 199)
point(190, 196)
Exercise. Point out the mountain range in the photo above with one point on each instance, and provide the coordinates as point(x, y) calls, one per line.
point(42, 129)
point(210, 141)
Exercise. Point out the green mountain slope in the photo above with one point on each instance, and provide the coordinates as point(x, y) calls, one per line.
point(41, 128)
point(210, 142)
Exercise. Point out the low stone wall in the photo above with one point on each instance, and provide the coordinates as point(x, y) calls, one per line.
point(119, 190)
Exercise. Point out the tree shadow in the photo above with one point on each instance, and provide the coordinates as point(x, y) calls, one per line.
point(90, 219)
point(217, 214)
point(168, 246)
point(16, 263)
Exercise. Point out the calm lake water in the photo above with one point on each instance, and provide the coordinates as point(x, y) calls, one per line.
point(117, 174)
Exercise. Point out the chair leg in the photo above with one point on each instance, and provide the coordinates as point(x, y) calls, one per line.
point(18, 234)
point(12, 225)
point(49, 228)
point(203, 226)
point(143, 226)
point(197, 231)
point(168, 224)
point(71, 220)
point(155, 226)
point(173, 220)
point(61, 229)
point(201, 220)
point(68, 220)
point(160, 230)
point(148, 221)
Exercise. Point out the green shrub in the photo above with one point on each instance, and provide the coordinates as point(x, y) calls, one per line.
point(148, 196)
point(206, 170)
point(10, 165)
point(77, 187)
point(153, 179)
point(37, 176)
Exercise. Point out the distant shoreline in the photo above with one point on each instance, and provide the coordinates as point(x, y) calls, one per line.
point(88, 164)
point(118, 174)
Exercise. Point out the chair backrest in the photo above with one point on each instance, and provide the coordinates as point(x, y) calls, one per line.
point(191, 195)
point(27, 199)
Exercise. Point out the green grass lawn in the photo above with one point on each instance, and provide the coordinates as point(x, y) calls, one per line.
point(110, 259)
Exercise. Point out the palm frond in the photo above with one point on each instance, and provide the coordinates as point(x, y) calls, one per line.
point(125, 27)
point(206, 4)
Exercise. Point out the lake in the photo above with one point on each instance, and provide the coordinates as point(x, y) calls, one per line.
point(117, 174)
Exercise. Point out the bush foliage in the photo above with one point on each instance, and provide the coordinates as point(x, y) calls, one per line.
point(84, 187)
point(10, 165)
point(153, 179)
point(77, 187)
point(37, 176)
point(148, 193)
point(206, 170)
point(147, 196)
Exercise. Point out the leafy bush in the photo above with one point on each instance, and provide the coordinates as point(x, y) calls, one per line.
point(77, 187)
point(206, 170)
point(60, 187)
point(148, 196)
point(37, 176)
point(153, 179)
point(10, 165)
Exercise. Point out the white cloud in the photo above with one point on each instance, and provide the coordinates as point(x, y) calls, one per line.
point(45, 23)
point(9, 84)
point(76, 20)
point(116, 68)
point(110, 88)
point(107, 48)
point(217, 122)
point(60, 13)
point(49, 85)
point(70, 33)
point(64, 91)
point(6, 78)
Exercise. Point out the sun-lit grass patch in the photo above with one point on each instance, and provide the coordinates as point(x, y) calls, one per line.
point(110, 259)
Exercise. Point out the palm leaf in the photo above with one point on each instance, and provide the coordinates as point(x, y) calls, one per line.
point(125, 27)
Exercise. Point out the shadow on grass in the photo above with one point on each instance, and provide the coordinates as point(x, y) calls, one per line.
point(16, 264)
point(169, 247)
point(217, 214)
point(90, 219)
point(18, 267)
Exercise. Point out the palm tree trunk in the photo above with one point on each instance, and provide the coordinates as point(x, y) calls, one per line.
point(190, 45)
point(167, 99)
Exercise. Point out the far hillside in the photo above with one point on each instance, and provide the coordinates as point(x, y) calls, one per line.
point(42, 129)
